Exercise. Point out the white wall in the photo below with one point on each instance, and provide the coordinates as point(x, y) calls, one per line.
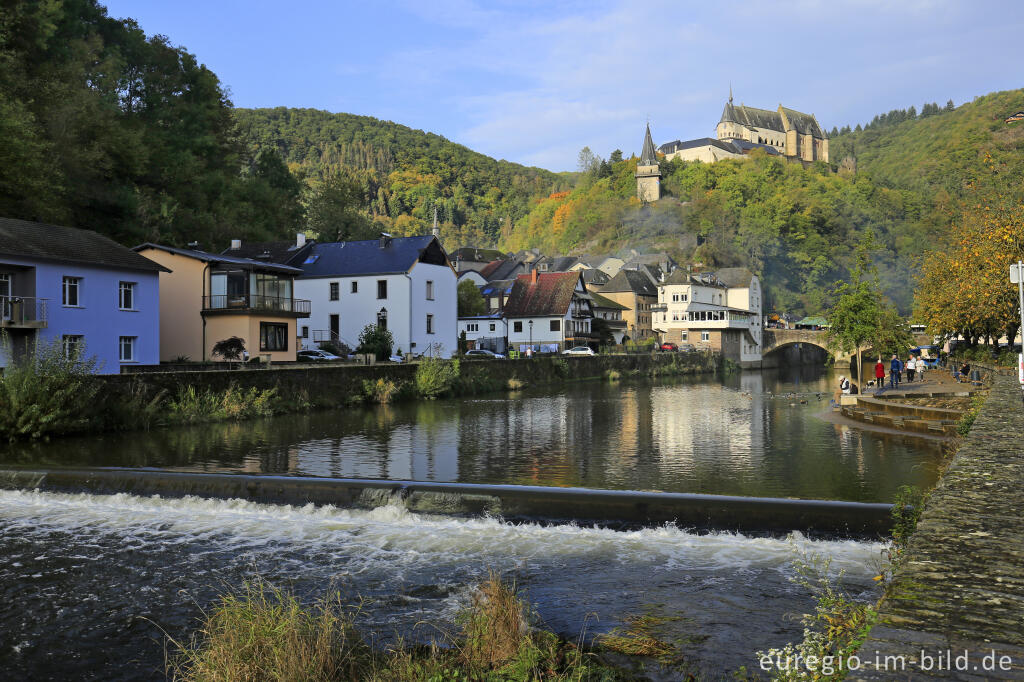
point(541, 330)
point(406, 304)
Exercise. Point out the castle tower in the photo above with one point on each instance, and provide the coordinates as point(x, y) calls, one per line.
point(648, 175)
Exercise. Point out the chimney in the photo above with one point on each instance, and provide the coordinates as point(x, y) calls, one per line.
point(533, 276)
point(236, 244)
point(300, 240)
point(385, 240)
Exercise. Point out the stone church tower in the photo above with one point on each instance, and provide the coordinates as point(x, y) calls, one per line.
point(648, 175)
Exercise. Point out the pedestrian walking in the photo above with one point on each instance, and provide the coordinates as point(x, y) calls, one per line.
point(894, 372)
point(911, 368)
point(920, 367)
point(879, 376)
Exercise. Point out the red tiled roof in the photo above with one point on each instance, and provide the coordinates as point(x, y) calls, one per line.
point(489, 269)
point(550, 295)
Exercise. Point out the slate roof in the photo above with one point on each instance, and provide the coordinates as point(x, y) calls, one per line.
point(550, 295)
point(26, 239)
point(631, 280)
point(472, 253)
point(681, 276)
point(602, 302)
point(500, 269)
point(498, 286)
point(730, 146)
point(648, 157)
point(366, 257)
point(285, 253)
point(735, 277)
point(595, 276)
point(207, 257)
point(561, 263)
point(773, 120)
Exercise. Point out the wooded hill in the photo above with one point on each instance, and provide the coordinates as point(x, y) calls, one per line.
point(399, 175)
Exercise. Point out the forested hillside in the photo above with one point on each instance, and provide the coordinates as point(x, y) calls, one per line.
point(395, 176)
point(102, 127)
point(941, 152)
point(796, 226)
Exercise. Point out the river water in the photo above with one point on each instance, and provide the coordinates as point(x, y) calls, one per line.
point(90, 583)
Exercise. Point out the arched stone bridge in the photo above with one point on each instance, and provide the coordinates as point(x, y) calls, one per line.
point(777, 339)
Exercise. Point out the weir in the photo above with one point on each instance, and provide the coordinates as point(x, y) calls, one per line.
point(510, 502)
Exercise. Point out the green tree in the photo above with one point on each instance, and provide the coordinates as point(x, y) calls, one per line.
point(335, 206)
point(471, 301)
point(376, 340)
point(230, 348)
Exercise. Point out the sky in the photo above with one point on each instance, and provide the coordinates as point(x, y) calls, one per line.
point(535, 81)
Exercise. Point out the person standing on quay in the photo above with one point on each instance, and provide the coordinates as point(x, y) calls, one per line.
point(879, 376)
point(911, 368)
point(894, 372)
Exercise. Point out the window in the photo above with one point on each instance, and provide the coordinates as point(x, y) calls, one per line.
point(472, 327)
point(556, 325)
point(430, 324)
point(5, 285)
point(70, 293)
point(430, 290)
point(127, 352)
point(517, 327)
point(705, 336)
point(492, 326)
point(72, 344)
point(382, 288)
point(355, 287)
point(305, 332)
point(335, 291)
point(683, 335)
point(273, 336)
point(126, 296)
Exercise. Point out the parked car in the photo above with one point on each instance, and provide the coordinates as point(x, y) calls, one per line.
point(579, 350)
point(686, 348)
point(668, 345)
point(315, 356)
point(484, 353)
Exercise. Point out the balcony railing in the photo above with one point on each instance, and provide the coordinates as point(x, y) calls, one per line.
point(23, 311)
point(256, 303)
point(659, 307)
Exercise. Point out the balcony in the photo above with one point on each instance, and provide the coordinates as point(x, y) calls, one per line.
point(251, 303)
point(659, 307)
point(22, 312)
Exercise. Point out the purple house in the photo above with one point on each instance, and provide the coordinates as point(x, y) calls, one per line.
point(78, 288)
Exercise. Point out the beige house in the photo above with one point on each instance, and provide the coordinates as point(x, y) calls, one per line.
point(718, 310)
point(794, 134)
point(209, 297)
point(635, 291)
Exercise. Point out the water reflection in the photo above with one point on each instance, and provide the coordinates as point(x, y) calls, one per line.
point(753, 433)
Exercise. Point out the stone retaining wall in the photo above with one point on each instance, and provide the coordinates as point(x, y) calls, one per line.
point(333, 385)
point(961, 587)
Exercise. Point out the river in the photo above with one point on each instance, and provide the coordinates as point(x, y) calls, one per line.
point(92, 582)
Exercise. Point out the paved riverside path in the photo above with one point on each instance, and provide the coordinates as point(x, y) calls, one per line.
point(961, 588)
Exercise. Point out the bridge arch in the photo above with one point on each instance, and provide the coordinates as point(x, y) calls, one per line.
point(776, 340)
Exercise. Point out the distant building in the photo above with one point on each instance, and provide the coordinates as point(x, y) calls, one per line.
point(209, 297)
point(637, 292)
point(552, 311)
point(80, 289)
point(406, 284)
point(472, 258)
point(648, 175)
point(718, 310)
point(610, 313)
point(742, 129)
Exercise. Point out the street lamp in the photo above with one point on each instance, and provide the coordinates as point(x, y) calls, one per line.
point(531, 336)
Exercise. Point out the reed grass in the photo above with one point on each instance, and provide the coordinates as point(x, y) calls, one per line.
point(264, 633)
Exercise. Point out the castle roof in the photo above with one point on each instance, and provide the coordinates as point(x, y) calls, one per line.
point(648, 157)
point(782, 119)
point(732, 146)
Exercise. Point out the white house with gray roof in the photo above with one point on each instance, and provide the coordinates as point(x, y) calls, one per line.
point(407, 284)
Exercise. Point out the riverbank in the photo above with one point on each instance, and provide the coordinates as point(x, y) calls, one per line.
point(960, 585)
point(64, 400)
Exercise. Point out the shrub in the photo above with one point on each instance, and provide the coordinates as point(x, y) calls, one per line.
point(561, 366)
point(381, 391)
point(613, 375)
point(376, 340)
point(192, 406)
point(436, 377)
point(44, 393)
point(515, 384)
point(230, 348)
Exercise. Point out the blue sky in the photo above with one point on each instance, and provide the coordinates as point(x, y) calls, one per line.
point(533, 82)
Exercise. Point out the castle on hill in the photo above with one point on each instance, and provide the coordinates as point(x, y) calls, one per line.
point(784, 132)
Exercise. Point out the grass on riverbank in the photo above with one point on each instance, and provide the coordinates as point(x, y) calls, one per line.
point(266, 633)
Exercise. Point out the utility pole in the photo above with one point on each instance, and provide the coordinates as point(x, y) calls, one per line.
point(1017, 277)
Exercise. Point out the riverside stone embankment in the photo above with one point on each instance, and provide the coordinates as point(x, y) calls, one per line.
point(960, 591)
point(329, 385)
